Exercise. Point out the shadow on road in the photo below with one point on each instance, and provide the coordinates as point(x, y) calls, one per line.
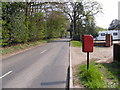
point(53, 83)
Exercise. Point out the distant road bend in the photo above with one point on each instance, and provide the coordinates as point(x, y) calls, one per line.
point(41, 67)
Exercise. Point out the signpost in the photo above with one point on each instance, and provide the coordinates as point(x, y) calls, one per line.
point(87, 46)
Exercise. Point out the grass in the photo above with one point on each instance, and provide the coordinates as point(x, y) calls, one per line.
point(98, 76)
point(113, 73)
point(18, 47)
point(76, 43)
point(91, 78)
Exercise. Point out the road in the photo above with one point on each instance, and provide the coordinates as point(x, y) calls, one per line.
point(41, 67)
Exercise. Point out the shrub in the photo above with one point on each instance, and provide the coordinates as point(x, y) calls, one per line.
point(91, 78)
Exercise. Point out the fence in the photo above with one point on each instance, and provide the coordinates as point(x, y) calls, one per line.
point(116, 52)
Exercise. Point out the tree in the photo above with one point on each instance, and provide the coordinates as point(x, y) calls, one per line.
point(30, 21)
point(115, 24)
point(78, 11)
point(56, 24)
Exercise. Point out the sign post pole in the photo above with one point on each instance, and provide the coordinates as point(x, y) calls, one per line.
point(87, 60)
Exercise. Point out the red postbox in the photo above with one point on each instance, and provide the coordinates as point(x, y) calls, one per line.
point(87, 43)
point(87, 46)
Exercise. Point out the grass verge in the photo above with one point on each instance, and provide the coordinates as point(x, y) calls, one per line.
point(98, 76)
point(76, 43)
point(18, 47)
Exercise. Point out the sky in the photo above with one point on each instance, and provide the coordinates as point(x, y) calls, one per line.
point(110, 12)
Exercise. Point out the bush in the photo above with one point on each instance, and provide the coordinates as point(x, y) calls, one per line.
point(92, 78)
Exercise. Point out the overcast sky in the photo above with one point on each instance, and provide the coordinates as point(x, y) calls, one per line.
point(110, 12)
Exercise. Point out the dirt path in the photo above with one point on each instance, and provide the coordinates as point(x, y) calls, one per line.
point(100, 53)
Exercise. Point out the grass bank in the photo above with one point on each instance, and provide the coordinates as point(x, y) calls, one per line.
point(18, 47)
point(76, 43)
point(99, 75)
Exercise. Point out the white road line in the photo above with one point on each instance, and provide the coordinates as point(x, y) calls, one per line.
point(43, 51)
point(5, 74)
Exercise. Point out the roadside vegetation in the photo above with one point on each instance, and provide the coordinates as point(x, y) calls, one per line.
point(24, 22)
point(99, 75)
point(17, 47)
point(76, 43)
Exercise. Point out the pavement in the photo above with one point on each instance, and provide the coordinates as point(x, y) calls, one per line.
point(41, 67)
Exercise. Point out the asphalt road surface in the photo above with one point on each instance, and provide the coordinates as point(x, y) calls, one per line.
point(41, 67)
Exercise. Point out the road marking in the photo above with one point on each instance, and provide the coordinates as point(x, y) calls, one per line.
point(5, 74)
point(43, 51)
